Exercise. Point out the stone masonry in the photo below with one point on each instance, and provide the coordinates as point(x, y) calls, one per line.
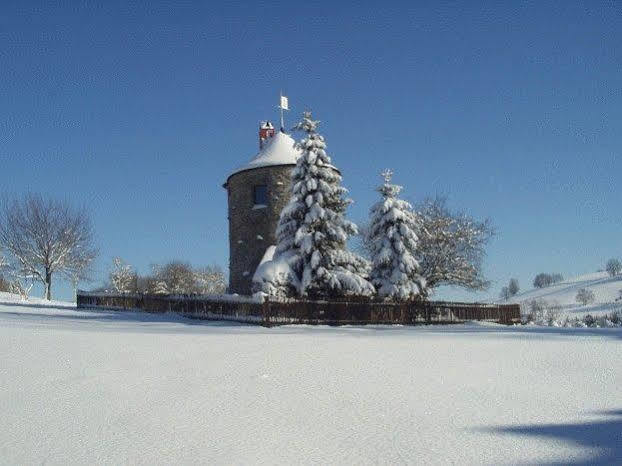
point(252, 228)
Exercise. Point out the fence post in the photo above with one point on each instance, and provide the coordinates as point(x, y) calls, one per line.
point(265, 313)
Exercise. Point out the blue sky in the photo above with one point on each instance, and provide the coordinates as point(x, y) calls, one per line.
point(140, 111)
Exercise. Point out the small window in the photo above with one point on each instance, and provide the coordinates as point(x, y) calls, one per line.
point(260, 195)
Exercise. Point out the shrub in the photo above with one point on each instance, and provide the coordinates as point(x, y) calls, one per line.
point(4, 284)
point(614, 267)
point(585, 296)
point(589, 320)
point(540, 312)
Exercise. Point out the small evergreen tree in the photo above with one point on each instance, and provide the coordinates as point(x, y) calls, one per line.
point(395, 271)
point(312, 230)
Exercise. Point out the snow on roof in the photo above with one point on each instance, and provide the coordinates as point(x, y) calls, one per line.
point(277, 150)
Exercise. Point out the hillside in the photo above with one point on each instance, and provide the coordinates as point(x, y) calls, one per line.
point(606, 290)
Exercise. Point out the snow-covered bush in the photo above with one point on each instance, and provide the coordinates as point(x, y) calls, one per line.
point(550, 317)
point(123, 278)
point(276, 278)
point(16, 287)
point(541, 312)
point(395, 272)
point(589, 320)
point(312, 231)
point(210, 280)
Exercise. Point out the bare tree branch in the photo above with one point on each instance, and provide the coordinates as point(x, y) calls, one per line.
point(451, 246)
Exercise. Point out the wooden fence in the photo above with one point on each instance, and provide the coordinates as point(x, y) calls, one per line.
point(342, 312)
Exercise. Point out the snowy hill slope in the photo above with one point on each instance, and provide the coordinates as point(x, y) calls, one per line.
point(606, 290)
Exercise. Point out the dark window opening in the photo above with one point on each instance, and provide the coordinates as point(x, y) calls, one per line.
point(260, 195)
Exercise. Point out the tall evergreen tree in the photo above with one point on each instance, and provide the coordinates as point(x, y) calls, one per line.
point(312, 230)
point(395, 271)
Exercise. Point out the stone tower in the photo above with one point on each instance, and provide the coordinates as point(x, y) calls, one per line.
point(257, 192)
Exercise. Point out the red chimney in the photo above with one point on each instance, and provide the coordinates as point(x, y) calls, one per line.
point(266, 130)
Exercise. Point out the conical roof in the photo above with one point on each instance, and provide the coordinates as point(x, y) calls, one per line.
point(277, 150)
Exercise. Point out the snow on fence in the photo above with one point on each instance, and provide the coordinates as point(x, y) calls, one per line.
point(336, 312)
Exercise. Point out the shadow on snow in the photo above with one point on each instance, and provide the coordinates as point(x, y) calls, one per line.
point(602, 437)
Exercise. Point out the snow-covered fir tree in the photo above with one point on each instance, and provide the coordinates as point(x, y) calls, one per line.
point(313, 231)
point(391, 235)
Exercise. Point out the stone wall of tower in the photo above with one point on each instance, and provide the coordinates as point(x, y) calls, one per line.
point(252, 230)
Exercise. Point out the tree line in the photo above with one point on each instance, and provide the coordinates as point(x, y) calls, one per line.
point(43, 240)
point(174, 277)
point(543, 280)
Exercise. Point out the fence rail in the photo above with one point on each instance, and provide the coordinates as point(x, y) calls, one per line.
point(338, 312)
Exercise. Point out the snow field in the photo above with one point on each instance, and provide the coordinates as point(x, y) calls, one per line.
point(118, 387)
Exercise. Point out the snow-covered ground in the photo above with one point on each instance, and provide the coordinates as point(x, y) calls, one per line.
point(120, 387)
point(606, 290)
point(9, 298)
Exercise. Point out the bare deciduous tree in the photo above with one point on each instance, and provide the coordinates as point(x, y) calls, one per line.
point(210, 280)
point(181, 278)
point(46, 237)
point(585, 296)
point(451, 246)
point(123, 278)
point(178, 277)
